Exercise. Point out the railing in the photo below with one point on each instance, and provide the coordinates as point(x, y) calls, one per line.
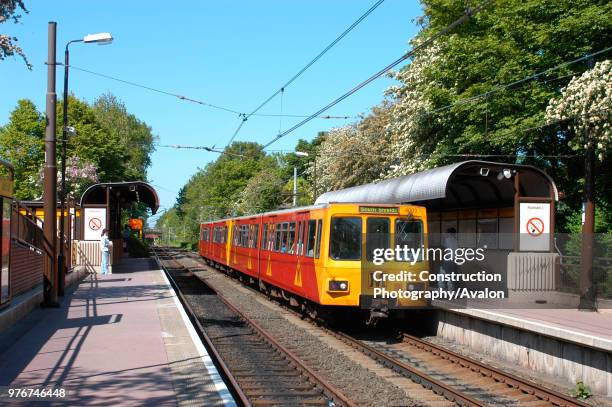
point(571, 268)
point(25, 230)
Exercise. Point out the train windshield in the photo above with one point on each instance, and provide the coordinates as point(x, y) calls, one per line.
point(345, 238)
point(409, 233)
point(377, 235)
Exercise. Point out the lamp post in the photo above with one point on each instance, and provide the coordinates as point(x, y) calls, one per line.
point(314, 177)
point(50, 281)
point(100, 38)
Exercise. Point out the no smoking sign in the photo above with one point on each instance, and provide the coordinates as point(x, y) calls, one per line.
point(95, 223)
point(534, 226)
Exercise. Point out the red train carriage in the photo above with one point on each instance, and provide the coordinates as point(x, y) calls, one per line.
point(313, 254)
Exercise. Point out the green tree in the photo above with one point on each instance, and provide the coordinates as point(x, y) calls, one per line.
point(263, 192)
point(93, 142)
point(21, 143)
point(181, 199)
point(135, 136)
point(506, 42)
point(95, 153)
point(241, 180)
point(9, 10)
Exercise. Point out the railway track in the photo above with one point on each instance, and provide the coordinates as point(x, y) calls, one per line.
point(258, 369)
point(457, 378)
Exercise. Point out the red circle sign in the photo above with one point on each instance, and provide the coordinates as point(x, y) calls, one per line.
point(95, 223)
point(535, 226)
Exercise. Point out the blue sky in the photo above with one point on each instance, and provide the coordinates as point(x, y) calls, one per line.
point(229, 53)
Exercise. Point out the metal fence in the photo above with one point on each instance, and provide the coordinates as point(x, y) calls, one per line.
point(25, 228)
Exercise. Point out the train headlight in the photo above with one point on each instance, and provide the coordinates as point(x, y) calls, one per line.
point(338, 285)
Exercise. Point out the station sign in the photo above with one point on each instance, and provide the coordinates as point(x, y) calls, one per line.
point(534, 221)
point(379, 210)
point(94, 221)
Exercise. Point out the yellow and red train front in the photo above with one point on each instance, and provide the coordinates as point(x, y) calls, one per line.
point(318, 252)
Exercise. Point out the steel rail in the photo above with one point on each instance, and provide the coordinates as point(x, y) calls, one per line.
point(230, 381)
point(549, 395)
point(513, 381)
point(417, 376)
point(414, 374)
point(331, 391)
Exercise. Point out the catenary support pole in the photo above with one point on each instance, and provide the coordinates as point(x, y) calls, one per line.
point(50, 176)
point(587, 294)
point(294, 186)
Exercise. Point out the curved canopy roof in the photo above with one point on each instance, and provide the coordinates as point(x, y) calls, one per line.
point(462, 184)
point(123, 192)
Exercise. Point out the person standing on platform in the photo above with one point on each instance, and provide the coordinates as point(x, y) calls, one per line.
point(105, 246)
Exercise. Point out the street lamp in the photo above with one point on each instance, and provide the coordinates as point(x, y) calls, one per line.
point(314, 177)
point(101, 39)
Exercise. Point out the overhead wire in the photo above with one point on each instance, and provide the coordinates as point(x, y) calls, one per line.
point(469, 12)
point(305, 68)
point(192, 100)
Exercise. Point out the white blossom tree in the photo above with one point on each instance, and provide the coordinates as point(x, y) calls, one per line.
point(355, 154)
point(80, 174)
point(409, 115)
point(587, 102)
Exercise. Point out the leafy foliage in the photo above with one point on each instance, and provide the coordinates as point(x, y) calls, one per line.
point(21, 143)
point(9, 10)
point(242, 180)
point(110, 145)
point(454, 102)
point(135, 136)
point(464, 96)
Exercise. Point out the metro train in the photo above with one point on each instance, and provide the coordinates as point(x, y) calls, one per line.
point(318, 257)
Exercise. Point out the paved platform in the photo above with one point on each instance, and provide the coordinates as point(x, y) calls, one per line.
point(567, 344)
point(119, 339)
point(592, 329)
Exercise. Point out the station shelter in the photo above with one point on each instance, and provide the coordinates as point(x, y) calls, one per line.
point(102, 206)
point(507, 208)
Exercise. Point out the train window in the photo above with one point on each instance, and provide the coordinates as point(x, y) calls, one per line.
point(300, 243)
point(409, 232)
point(244, 236)
point(271, 237)
point(235, 236)
point(319, 234)
point(224, 234)
point(310, 241)
point(377, 235)
point(291, 238)
point(255, 236)
point(345, 238)
point(277, 237)
point(284, 247)
point(264, 238)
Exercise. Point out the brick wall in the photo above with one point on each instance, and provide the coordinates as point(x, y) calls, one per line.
point(26, 269)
